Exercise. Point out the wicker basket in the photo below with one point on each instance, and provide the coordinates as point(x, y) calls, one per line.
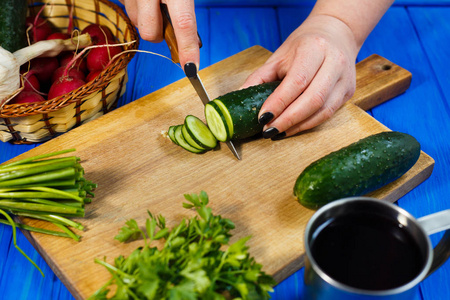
point(41, 121)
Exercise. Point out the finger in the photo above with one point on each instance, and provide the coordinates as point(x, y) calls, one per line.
point(182, 14)
point(335, 101)
point(312, 99)
point(131, 9)
point(266, 73)
point(291, 87)
point(149, 21)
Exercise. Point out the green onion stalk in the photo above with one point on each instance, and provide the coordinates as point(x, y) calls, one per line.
point(45, 188)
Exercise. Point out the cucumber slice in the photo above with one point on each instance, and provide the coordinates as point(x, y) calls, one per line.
point(187, 137)
point(182, 142)
point(216, 122)
point(199, 132)
point(227, 116)
point(171, 134)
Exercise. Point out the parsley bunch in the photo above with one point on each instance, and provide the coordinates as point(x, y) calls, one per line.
point(195, 262)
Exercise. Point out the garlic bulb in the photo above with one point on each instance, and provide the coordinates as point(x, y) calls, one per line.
point(9, 75)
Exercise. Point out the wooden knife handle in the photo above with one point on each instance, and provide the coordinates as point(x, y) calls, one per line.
point(378, 80)
point(169, 33)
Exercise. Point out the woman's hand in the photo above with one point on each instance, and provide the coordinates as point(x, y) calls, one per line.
point(146, 16)
point(316, 64)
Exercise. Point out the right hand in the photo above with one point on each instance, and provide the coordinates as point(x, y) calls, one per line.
point(146, 16)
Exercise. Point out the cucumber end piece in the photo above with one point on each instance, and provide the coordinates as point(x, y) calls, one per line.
point(216, 124)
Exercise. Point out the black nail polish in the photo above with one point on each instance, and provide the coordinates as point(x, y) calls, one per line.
point(265, 118)
point(279, 136)
point(269, 133)
point(190, 69)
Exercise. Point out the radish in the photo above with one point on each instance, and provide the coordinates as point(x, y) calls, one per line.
point(92, 75)
point(63, 86)
point(30, 82)
point(41, 29)
point(65, 58)
point(98, 58)
point(43, 68)
point(72, 72)
point(11, 63)
point(99, 33)
point(58, 36)
point(27, 96)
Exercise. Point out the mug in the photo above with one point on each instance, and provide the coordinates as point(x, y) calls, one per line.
point(364, 248)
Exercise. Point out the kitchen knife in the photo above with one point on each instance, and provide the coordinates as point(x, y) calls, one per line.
point(190, 69)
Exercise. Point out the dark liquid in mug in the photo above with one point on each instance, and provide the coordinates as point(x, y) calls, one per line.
point(367, 253)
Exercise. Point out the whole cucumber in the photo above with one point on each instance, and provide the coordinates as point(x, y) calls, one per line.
point(357, 169)
point(12, 24)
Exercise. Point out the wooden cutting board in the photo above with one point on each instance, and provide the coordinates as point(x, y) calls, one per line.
point(137, 169)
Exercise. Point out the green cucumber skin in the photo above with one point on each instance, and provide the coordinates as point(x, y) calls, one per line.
point(357, 169)
point(244, 105)
point(12, 24)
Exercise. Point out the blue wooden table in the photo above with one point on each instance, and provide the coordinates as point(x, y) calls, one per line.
point(414, 34)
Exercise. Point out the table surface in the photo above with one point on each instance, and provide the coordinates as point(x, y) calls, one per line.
point(412, 34)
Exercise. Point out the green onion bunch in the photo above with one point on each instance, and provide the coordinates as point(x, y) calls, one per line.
point(48, 189)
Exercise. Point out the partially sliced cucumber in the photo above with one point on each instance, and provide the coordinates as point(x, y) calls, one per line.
point(216, 122)
point(182, 142)
point(227, 116)
point(171, 133)
point(199, 132)
point(187, 137)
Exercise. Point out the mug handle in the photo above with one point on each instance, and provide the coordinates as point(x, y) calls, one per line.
point(435, 223)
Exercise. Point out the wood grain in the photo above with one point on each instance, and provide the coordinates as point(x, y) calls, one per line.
point(378, 80)
point(137, 169)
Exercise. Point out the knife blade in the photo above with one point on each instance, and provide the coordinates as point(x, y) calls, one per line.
point(190, 69)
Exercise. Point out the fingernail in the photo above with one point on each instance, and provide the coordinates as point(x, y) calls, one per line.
point(265, 118)
point(190, 69)
point(279, 136)
point(269, 133)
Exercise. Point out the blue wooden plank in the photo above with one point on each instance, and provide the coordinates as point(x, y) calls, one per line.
point(21, 280)
point(423, 112)
point(433, 29)
point(5, 241)
point(234, 30)
point(291, 18)
point(432, 26)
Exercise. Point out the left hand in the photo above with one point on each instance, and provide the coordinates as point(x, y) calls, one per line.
point(316, 64)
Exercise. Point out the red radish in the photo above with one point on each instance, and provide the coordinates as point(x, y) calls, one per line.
point(65, 58)
point(43, 68)
point(31, 83)
point(98, 58)
point(99, 33)
point(72, 72)
point(92, 75)
point(63, 86)
point(58, 36)
point(41, 28)
point(27, 96)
